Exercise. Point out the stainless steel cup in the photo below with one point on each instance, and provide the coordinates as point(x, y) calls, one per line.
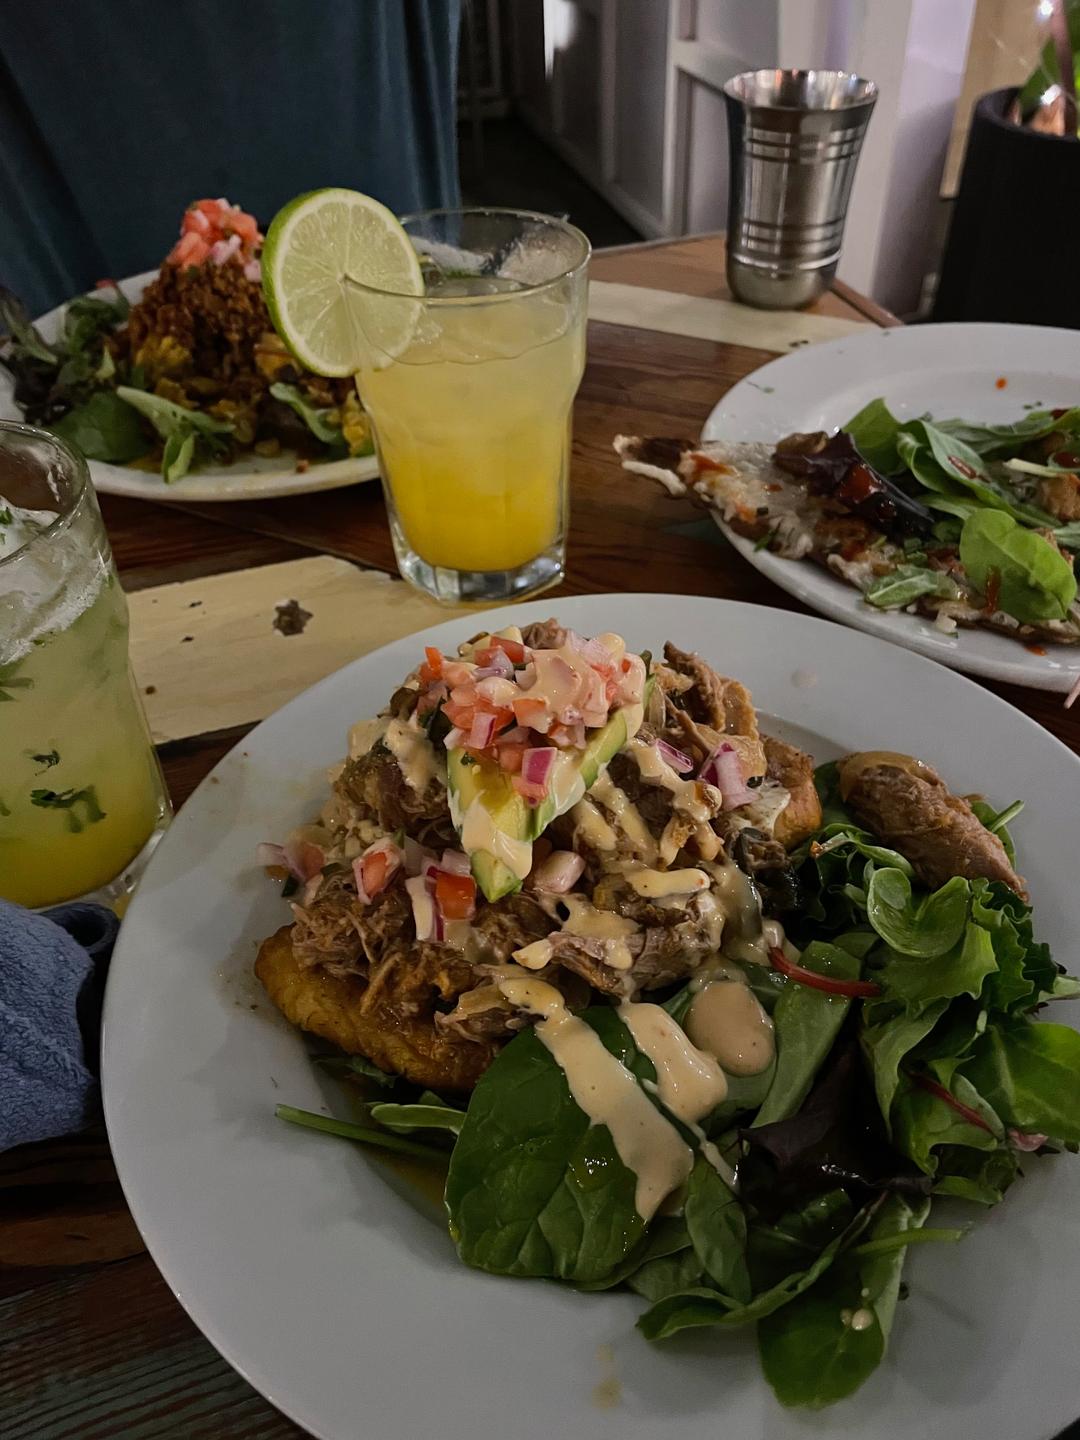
point(795, 137)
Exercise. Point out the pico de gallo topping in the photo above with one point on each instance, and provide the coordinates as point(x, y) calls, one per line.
point(516, 708)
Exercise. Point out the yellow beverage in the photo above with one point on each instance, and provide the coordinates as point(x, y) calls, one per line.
point(472, 421)
point(80, 788)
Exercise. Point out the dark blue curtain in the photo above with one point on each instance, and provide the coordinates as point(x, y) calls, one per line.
point(114, 114)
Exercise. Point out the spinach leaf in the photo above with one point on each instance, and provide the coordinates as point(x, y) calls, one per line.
point(792, 1241)
point(103, 428)
point(697, 1306)
point(666, 1236)
point(403, 1118)
point(534, 1187)
point(1035, 581)
point(716, 1222)
point(991, 440)
point(313, 417)
point(918, 981)
point(806, 1023)
point(668, 1275)
point(907, 583)
point(926, 927)
point(889, 1034)
point(874, 430)
point(1029, 1072)
point(831, 1338)
point(963, 466)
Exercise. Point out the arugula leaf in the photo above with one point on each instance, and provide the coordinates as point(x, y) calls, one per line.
point(874, 430)
point(907, 583)
point(534, 1187)
point(1029, 1072)
point(403, 1118)
point(830, 1339)
point(313, 417)
point(888, 1035)
point(716, 1223)
point(806, 1023)
point(1036, 582)
point(103, 428)
point(68, 801)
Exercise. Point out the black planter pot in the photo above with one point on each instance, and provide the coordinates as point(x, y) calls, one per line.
point(1013, 251)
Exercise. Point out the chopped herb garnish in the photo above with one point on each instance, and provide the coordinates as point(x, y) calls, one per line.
point(468, 760)
point(68, 800)
point(6, 516)
point(46, 760)
point(764, 540)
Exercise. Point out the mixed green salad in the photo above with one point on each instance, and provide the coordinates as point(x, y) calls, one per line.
point(1005, 503)
point(913, 1062)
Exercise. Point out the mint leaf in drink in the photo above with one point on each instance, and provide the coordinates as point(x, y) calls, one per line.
point(68, 801)
point(46, 760)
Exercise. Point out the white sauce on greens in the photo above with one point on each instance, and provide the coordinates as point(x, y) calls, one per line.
point(726, 1021)
point(646, 1143)
point(586, 920)
point(689, 1083)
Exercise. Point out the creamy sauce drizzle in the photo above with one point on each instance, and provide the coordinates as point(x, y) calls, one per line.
point(726, 1021)
point(657, 884)
point(414, 754)
point(744, 938)
point(586, 920)
point(646, 1143)
point(591, 826)
point(626, 816)
point(479, 832)
point(689, 1082)
point(363, 734)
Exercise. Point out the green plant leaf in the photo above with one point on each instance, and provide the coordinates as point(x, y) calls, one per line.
point(1029, 1072)
point(1035, 581)
point(403, 1118)
point(177, 455)
point(907, 583)
point(980, 1176)
point(811, 1352)
point(888, 1035)
point(918, 981)
point(667, 1236)
point(103, 428)
point(314, 418)
point(716, 1223)
point(926, 927)
point(168, 418)
point(874, 430)
point(806, 1022)
point(923, 1121)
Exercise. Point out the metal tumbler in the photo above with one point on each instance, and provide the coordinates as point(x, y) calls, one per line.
point(795, 137)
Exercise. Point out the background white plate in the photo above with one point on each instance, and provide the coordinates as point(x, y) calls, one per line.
point(333, 1286)
point(251, 478)
point(947, 370)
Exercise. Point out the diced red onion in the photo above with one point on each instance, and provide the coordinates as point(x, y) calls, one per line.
point(536, 765)
point(558, 873)
point(223, 250)
point(455, 739)
point(679, 761)
point(303, 858)
point(395, 858)
point(1027, 1143)
point(499, 664)
point(267, 855)
point(455, 862)
point(252, 269)
point(723, 770)
point(482, 732)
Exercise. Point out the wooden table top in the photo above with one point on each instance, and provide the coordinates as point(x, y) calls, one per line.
point(92, 1342)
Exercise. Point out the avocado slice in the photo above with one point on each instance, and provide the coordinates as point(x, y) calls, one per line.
point(515, 823)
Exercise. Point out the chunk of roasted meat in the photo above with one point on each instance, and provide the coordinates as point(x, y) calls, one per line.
point(373, 784)
point(794, 770)
point(909, 808)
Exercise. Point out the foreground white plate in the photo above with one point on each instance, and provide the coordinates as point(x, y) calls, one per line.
point(947, 370)
point(252, 478)
point(332, 1285)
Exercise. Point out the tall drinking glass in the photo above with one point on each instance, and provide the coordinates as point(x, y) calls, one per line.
point(82, 800)
point(470, 389)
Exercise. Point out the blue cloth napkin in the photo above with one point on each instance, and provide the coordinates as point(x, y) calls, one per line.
point(52, 977)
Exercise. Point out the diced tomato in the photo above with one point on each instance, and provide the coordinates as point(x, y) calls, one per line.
point(512, 649)
point(458, 714)
point(531, 792)
point(375, 868)
point(455, 895)
point(434, 659)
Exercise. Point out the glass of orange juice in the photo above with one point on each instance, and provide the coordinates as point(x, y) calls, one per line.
point(82, 800)
point(470, 389)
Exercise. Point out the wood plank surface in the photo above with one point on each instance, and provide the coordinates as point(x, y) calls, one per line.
point(92, 1343)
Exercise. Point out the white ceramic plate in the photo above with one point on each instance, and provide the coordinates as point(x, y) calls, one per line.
point(944, 369)
point(333, 1287)
point(252, 478)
